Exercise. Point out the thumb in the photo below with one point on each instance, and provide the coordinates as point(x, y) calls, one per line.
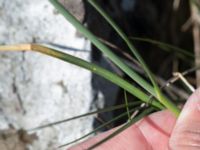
point(186, 133)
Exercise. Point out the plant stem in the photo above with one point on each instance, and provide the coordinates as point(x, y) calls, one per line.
point(87, 65)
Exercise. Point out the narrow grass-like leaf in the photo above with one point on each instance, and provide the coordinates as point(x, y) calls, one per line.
point(165, 46)
point(125, 38)
point(99, 127)
point(167, 103)
point(140, 116)
point(87, 65)
point(84, 115)
point(114, 58)
point(127, 105)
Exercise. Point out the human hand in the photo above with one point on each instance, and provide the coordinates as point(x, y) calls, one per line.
point(158, 131)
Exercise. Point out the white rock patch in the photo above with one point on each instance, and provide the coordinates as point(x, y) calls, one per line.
point(46, 88)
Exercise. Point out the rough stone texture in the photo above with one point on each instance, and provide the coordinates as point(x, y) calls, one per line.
point(75, 7)
point(36, 89)
point(15, 140)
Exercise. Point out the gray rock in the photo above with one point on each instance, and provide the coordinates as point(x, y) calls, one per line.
point(36, 89)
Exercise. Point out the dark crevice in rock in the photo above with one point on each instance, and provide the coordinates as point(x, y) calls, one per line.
point(152, 19)
point(15, 90)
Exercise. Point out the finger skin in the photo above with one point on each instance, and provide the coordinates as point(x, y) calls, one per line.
point(151, 132)
point(186, 133)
